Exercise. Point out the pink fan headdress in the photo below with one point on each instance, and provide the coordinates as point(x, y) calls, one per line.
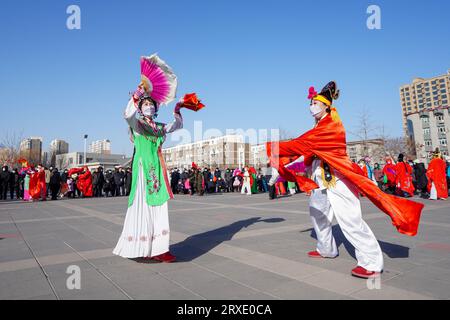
point(157, 80)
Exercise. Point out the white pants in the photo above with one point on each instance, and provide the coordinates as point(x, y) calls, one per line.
point(246, 186)
point(146, 229)
point(342, 201)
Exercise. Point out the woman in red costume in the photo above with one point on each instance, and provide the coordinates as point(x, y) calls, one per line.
point(437, 181)
point(335, 185)
point(389, 175)
point(404, 181)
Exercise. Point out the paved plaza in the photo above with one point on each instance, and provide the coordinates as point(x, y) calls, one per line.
point(228, 246)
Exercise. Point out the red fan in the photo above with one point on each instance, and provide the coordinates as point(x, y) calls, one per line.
point(190, 101)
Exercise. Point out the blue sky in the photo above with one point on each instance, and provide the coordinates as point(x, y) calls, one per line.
point(250, 61)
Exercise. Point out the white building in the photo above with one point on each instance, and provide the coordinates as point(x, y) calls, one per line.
point(58, 147)
point(31, 149)
point(100, 146)
point(373, 148)
point(223, 152)
point(93, 160)
point(430, 129)
point(258, 156)
point(426, 114)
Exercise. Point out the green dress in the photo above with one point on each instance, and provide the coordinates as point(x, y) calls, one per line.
point(148, 157)
point(255, 184)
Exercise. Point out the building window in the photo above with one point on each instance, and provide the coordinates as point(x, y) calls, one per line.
point(441, 129)
point(443, 142)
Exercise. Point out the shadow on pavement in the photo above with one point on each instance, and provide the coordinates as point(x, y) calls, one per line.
point(199, 244)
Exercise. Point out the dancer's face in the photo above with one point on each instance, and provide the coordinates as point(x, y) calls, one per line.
point(318, 109)
point(149, 109)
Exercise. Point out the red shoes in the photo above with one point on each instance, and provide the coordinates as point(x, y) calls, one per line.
point(361, 272)
point(165, 257)
point(316, 254)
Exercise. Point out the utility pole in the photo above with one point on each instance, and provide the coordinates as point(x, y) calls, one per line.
point(85, 140)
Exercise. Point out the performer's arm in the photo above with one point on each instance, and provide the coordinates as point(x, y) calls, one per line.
point(130, 115)
point(177, 123)
point(274, 177)
point(296, 147)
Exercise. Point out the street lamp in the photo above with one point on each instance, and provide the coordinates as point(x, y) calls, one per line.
point(85, 140)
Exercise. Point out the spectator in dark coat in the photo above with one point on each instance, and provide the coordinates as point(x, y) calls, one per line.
point(174, 179)
point(98, 180)
point(229, 179)
point(4, 182)
point(421, 179)
point(14, 183)
point(55, 184)
point(118, 182)
point(109, 186)
point(128, 177)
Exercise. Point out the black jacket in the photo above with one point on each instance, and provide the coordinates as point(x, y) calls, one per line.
point(13, 179)
point(420, 174)
point(98, 178)
point(55, 179)
point(128, 176)
point(118, 178)
point(4, 176)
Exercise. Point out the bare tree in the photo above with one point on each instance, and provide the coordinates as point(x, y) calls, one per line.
point(366, 130)
point(10, 145)
point(52, 158)
point(285, 134)
point(394, 146)
point(61, 162)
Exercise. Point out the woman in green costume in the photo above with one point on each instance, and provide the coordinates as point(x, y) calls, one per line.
point(146, 229)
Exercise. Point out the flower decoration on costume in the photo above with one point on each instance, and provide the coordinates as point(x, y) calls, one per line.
point(312, 93)
point(153, 183)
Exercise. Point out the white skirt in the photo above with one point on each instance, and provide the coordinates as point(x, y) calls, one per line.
point(433, 192)
point(146, 229)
